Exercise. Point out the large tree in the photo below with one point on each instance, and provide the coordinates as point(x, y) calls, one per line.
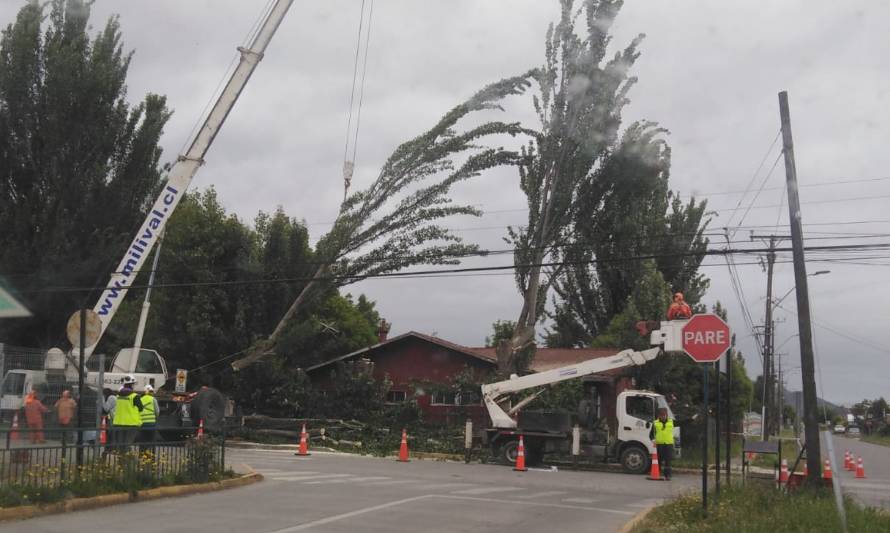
point(79, 163)
point(626, 214)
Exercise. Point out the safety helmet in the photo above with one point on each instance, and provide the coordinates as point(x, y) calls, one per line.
point(149, 388)
point(129, 380)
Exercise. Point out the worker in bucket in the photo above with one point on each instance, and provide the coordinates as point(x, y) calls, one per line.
point(679, 309)
point(662, 434)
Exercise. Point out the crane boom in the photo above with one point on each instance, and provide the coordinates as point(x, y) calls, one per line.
point(493, 392)
point(183, 172)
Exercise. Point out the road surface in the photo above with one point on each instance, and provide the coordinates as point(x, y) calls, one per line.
point(342, 493)
point(874, 490)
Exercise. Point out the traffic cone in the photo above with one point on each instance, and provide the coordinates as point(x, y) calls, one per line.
point(655, 470)
point(304, 443)
point(849, 464)
point(860, 469)
point(103, 435)
point(520, 457)
point(826, 474)
point(403, 448)
point(783, 472)
point(200, 434)
point(14, 435)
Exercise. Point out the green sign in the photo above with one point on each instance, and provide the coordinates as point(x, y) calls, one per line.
point(10, 307)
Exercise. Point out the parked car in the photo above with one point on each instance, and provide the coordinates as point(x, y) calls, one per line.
point(839, 429)
point(853, 431)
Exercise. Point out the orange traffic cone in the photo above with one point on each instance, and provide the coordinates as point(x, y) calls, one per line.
point(783, 472)
point(200, 434)
point(304, 443)
point(655, 470)
point(860, 469)
point(849, 463)
point(520, 457)
point(14, 435)
point(103, 435)
point(403, 448)
point(826, 474)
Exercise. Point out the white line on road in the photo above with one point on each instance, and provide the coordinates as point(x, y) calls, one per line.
point(328, 520)
point(441, 486)
point(287, 473)
point(534, 504)
point(393, 482)
point(642, 504)
point(310, 478)
point(347, 480)
point(485, 490)
point(541, 494)
point(579, 500)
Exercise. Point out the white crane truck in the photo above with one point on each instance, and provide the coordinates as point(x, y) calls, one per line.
point(552, 431)
point(147, 366)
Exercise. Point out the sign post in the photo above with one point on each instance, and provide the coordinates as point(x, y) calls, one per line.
point(181, 377)
point(705, 338)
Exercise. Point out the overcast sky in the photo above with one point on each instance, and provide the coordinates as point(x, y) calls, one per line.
point(709, 72)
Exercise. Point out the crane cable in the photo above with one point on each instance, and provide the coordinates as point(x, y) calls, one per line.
point(349, 162)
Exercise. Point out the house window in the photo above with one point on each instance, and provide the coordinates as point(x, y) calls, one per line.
point(444, 398)
point(469, 398)
point(396, 396)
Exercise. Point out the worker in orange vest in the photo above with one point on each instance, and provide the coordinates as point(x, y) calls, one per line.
point(679, 309)
point(34, 411)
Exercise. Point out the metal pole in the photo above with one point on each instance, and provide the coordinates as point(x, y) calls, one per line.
point(807, 365)
point(468, 440)
point(704, 448)
point(80, 367)
point(728, 414)
point(717, 432)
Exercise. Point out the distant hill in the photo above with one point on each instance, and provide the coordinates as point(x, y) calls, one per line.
point(794, 398)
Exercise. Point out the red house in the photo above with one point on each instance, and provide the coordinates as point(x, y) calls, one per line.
point(426, 369)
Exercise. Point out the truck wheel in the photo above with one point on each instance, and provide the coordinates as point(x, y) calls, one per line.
point(635, 460)
point(508, 452)
point(534, 452)
point(210, 406)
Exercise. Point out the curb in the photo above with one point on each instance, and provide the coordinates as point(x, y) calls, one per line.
point(106, 500)
point(639, 517)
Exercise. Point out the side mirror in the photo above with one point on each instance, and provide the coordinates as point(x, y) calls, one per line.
point(648, 425)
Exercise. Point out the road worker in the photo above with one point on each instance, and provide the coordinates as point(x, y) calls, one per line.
point(149, 415)
point(127, 418)
point(662, 434)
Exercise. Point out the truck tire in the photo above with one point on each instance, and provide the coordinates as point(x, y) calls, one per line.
point(508, 452)
point(534, 452)
point(634, 459)
point(210, 406)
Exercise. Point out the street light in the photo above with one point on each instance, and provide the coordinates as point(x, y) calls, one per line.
point(817, 273)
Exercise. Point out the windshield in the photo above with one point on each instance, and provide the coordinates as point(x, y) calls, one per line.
point(14, 383)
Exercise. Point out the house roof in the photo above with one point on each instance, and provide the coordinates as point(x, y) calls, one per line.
point(470, 352)
point(545, 358)
point(550, 358)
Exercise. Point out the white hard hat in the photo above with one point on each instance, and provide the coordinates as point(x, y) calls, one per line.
point(129, 380)
point(149, 388)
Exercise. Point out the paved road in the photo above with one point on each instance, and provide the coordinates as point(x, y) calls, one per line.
point(875, 488)
point(340, 493)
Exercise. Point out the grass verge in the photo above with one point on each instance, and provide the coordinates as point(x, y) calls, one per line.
point(882, 440)
point(756, 508)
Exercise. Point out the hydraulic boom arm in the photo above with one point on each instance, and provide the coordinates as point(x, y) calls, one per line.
point(183, 171)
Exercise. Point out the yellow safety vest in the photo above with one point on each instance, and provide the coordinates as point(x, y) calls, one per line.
point(148, 409)
point(664, 431)
point(126, 413)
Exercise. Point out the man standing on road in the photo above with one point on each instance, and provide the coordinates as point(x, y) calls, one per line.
point(149, 415)
point(34, 411)
point(127, 409)
point(663, 435)
point(65, 407)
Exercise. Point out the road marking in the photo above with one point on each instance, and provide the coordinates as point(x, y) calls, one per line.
point(358, 512)
point(393, 482)
point(310, 478)
point(268, 470)
point(541, 494)
point(579, 500)
point(642, 504)
point(485, 490)
point(534, 504)
point(347, 480)
point(446, 486)
point(288, 473)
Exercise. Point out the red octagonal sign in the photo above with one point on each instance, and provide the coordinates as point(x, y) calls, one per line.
point(705, 338)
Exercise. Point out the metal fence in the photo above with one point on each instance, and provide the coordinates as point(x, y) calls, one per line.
point(127, 461)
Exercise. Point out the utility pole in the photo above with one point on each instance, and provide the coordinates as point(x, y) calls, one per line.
point(768, 410)
point(807, 364)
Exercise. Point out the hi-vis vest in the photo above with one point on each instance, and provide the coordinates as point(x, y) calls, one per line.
point(664, 431)
point(126, 413)
point(148, 409)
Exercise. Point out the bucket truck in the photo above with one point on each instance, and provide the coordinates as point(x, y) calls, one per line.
point(146, 365)
point(552, 431)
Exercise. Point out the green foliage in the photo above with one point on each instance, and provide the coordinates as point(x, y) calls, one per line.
point(564, 396)
point(80, 163)
point(753, 507)
point(501, 330)
point(355, 395)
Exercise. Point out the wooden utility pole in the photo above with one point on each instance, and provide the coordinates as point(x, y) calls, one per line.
point(807, 365)
point(769, 404)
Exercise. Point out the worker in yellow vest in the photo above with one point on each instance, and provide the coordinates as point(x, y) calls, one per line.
point(662, 434)
point(127, 417)
point(149, 415)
